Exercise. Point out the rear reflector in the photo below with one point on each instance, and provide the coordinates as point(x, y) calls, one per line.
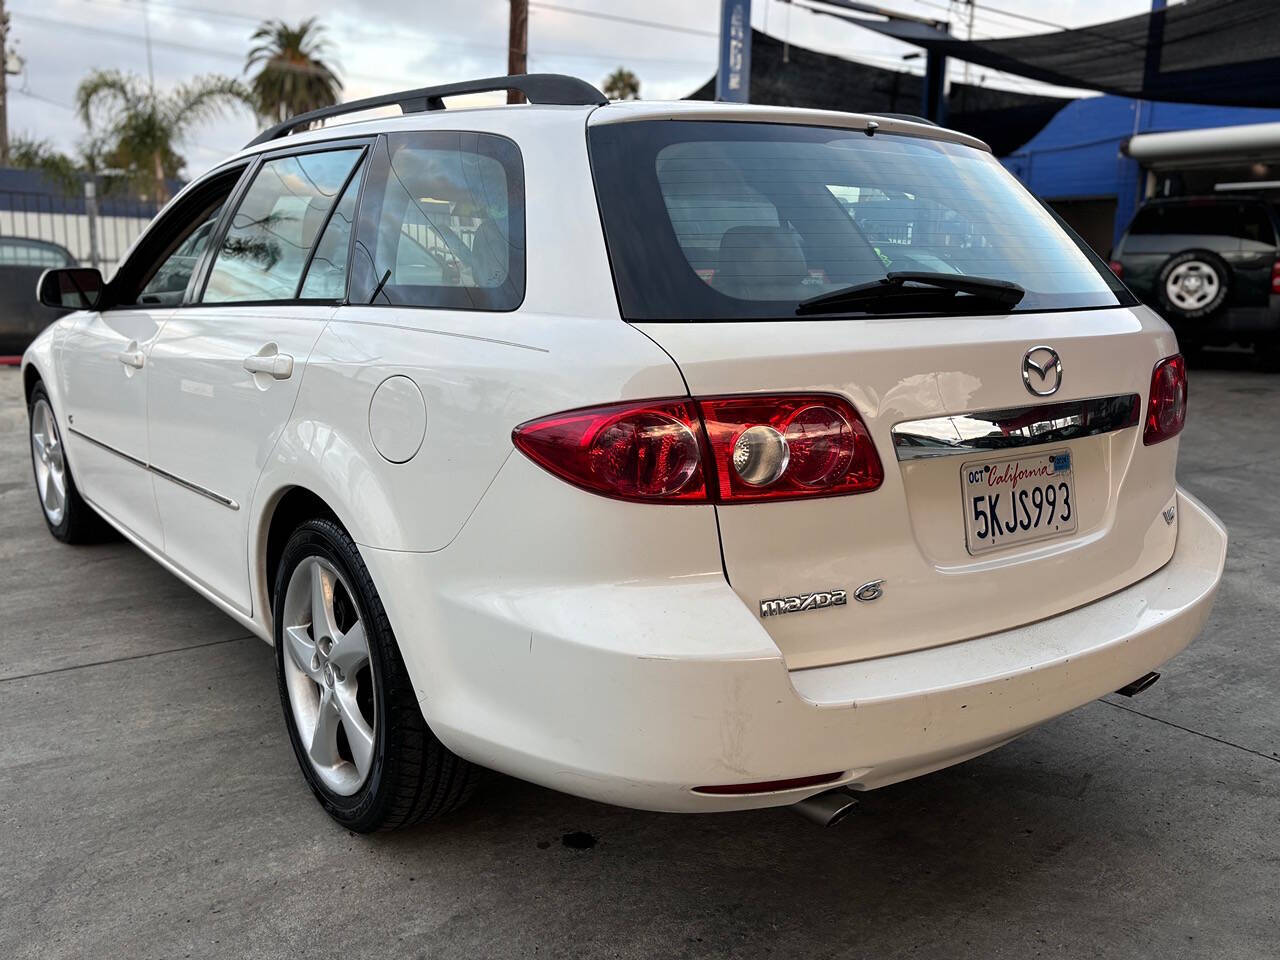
point(769, 786)
point(1167, 406)
point(1275, 277)
point(725, 449)
point(1117, 268)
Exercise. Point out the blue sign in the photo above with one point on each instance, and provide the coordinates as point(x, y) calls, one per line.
point(733, 78)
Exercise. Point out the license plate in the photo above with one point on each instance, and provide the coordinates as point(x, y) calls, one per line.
point(1017, 500)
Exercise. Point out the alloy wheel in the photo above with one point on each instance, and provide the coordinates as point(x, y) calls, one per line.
point(329, 675)
point(50, 464)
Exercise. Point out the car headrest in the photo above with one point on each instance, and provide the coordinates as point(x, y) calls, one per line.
point(760, 262)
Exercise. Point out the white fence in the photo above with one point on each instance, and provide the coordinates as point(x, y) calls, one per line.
point(70, 222)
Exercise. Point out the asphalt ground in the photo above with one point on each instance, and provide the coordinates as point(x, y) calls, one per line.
point(150, 805)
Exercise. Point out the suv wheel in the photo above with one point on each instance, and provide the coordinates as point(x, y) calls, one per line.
point(1194, 284)
point(353, 719)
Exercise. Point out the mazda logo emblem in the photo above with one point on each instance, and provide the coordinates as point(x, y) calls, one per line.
point(1042, 371)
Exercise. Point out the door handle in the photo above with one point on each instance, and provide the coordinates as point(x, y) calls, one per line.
point(277, 365)
point(131, 356)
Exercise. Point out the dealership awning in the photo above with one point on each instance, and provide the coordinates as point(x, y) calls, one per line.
point(1220, 145)
point(1224, 52)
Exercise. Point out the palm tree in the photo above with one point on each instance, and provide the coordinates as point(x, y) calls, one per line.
point(293, 78)
point(138, 130)
point(622, 84)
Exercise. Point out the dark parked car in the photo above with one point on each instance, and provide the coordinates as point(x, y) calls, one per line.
point(22, 260)
point(1209, 266)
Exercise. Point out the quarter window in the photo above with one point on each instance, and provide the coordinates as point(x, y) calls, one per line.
point(442, 224)
point(265, 249)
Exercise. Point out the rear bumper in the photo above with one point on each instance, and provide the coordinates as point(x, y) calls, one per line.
point(568, 701)
point(1233, 322)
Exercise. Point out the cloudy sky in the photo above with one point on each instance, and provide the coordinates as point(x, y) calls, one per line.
point(383, 45)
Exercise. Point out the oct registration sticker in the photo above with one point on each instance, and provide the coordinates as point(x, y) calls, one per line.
point(1018, 500)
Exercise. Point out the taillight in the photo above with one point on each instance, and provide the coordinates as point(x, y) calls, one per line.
point(1167, 407)
point(647, 451)
point(728, 449)
point(1117, 268)
point(1275, 277)
point(788, 446)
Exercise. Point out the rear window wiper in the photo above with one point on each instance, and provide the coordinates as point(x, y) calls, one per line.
point(911, 285)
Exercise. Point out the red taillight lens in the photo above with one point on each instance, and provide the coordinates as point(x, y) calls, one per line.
point(717, 449)
point(649, 451)
point(1167, 407)
point(820, 447)
point(1117, 268)
point(1275, 277)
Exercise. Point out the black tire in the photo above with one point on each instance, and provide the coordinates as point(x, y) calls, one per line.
point(413, 776)
point(79, 522)
point(1203, 263)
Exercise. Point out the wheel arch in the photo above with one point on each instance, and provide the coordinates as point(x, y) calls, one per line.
point(289, 508)
point(30, 377)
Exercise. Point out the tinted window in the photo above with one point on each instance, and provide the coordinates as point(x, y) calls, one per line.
point(169, 282)
point(714, 220)
point(271, 233)
point(20, 253)
point(442, 223)
point(327, 275)
point(1206, 218)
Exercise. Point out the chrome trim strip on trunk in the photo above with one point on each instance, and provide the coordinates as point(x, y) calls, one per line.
point(172, 478)
point(965, 434)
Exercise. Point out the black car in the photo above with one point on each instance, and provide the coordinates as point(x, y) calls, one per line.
point(1209, 266)
point(22, 260)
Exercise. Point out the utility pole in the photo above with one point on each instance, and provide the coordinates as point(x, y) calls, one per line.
point(4, 86)
point(973, 5)
point(517, 45)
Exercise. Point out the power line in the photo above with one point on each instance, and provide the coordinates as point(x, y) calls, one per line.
point(634, 21)
point(367, 78)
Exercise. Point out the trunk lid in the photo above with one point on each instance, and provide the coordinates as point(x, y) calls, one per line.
point(910, 533)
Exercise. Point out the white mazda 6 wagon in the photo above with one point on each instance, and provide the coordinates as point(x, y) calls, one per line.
point(683, 456)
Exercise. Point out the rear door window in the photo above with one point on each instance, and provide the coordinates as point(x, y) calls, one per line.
point(266, 247)
point(727, 220)
point(442, 223)
point(25, 253)
point(1205, 218)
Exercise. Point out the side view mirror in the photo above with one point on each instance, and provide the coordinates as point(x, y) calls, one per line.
point(70, 288)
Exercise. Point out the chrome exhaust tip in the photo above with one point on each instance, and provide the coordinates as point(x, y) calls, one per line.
point(827, 809)
point(1142, 683)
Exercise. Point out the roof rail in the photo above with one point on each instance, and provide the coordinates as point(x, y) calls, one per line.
point(553, 88)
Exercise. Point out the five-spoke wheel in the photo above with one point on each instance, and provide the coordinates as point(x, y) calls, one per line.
point(353, 714)
point(328, 675)
point(50, 465)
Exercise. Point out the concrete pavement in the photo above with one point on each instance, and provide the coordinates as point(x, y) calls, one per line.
point(150, 805)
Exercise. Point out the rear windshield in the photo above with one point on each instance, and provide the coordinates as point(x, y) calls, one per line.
point(1206, 218)
point(727, 220)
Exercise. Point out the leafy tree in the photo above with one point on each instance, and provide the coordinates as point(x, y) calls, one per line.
point(622, 84)
point(138, 131)
point(28, 153)
point(292, 77)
